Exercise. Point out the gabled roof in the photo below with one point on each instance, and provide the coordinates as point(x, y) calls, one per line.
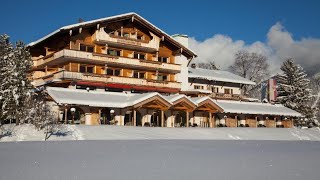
point(200, 101)
point(176, 99)
point(217, 75)
point(130, 15)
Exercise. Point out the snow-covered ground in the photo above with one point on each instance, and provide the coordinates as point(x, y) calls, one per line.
point(82, 132)
point(160, 159)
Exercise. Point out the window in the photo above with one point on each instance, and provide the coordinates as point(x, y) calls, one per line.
point(117, 72)
point(89, 48)
point(136, 74)
point(198, 87)
point(89, 69)
point(82, 68)
point(113, 72)
point(86, 69)
point(86, 48)
point(163, 59)
point(137, 55)
point(214, 89)
point(141, 75)
point(82, 47)
point(142, 56)
point(140, 37)
point(228, 91)
point(125, 34)
point(162, 77)
point(114, 52)
point(110, 72)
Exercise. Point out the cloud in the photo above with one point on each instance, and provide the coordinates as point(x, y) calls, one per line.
point(279, 46)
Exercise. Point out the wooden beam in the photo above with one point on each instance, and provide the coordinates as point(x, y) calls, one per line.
point(172, 119)
point(187, 118)
point(134, 117)
point(66, 115)
point(121, 117)
point(162, 118)
point(210, 120)
point(99, 117)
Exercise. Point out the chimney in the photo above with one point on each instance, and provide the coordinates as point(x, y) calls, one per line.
point(193, 65)
point(182, 39)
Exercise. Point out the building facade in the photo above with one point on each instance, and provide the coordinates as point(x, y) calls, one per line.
point(123, 70)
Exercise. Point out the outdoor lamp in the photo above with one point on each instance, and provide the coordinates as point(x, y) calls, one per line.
point(73, 110)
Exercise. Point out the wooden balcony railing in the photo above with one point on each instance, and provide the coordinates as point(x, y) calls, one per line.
point(226, 96)
point(106, 59)
point(66, 75)
point(102, 36)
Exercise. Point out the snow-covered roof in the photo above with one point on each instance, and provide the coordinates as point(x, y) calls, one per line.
point(97, 98)
point(173, 98)
point(217, 75)
point(241, 107)
point(96, 21)
point(122, 100)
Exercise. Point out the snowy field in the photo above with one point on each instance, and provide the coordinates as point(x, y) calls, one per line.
point(160, 159)
point(82, 132)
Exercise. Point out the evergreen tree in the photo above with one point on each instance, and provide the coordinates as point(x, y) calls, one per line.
point(15, 66)
point(293, 88)
point(6, 71)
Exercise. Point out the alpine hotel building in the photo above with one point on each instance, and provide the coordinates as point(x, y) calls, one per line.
point(123, 70)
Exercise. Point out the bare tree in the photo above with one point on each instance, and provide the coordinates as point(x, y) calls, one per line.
point(252, 66)
point(41, 116)
point(208, 65)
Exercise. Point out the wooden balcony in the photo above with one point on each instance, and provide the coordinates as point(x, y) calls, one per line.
point(64, 55)
point(74, 76)
point(103, 38)
point(226, 96)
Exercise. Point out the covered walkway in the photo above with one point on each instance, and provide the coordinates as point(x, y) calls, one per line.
point(154, 109)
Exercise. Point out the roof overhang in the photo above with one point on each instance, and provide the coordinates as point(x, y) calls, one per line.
point(133, 17)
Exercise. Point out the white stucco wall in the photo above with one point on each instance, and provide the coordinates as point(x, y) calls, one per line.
point(183, 75)
point(236, 90)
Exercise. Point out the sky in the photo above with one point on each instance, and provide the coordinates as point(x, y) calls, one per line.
point(278, 29)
